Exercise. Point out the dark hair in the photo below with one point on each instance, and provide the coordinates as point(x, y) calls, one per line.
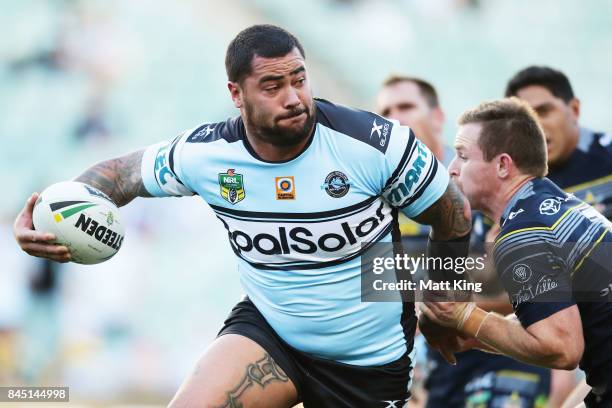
point(427, 89)
point(265, 40)
point(510, 126)
point(555, 81)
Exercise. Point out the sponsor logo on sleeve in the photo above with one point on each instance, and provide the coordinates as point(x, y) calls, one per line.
point(398, 194)
point(514, 213)
point(395, 403)
point(381, 131)
point(521, 273)
point(201, 134)
point(550, 206)
point(546, 284)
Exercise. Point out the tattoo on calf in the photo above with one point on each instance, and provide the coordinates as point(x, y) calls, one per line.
point(260, 373)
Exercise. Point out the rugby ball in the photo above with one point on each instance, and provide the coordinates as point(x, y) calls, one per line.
point(83, 218)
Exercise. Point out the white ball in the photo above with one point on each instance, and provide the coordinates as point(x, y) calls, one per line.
point(82, 218)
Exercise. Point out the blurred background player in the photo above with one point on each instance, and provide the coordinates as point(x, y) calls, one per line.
point(414, 102)
point(579, 159)
point(478, 377)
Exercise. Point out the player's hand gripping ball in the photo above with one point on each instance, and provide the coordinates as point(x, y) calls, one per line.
point(83, 218)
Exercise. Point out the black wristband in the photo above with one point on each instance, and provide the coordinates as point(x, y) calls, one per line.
point(442, 250)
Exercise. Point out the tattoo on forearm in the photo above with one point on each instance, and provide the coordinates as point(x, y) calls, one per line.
point(449, 216)
point(119, 178)
point(259, 373)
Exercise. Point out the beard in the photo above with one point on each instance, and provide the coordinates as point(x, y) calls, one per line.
point(275, 133)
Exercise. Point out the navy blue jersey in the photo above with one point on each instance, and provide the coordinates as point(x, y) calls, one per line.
point(485, 380)
point(588, 171)
point(588, 175)
point(552, 253)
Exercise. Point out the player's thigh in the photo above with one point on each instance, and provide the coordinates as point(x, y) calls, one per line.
point(236, 372)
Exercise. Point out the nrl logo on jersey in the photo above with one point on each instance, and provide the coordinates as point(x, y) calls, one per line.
point(232, 186)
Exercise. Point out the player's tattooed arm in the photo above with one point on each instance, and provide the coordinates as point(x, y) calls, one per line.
point(257, 374)
point(450, 217)
point(119, 178)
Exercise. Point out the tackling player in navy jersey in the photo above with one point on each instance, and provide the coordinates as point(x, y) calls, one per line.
point(303, 187)
point(579, 159)
point(478, 376)
point(552, 253)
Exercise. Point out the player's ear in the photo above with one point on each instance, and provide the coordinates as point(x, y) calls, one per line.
point(574, 105)
point(504, 164)
point(235, 93)
point(438, 115)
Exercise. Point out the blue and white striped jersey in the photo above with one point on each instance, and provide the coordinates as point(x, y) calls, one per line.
point(298, 228)
point(553, 251)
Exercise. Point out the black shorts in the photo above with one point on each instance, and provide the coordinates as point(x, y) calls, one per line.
point(322, 383)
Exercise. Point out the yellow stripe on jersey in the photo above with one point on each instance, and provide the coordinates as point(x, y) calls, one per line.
point(519, 374)
point(590, 250)
point(551, 228)
point(589, 184)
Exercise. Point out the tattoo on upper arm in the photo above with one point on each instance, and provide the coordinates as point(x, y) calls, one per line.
point(119, 178)
point(449, 216)
point(260, 373)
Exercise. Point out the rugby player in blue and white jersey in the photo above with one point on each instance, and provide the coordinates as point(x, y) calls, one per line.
point(552, 253)
point(303, 187)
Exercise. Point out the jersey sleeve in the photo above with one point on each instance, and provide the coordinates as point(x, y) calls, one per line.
point(416, 178)
point(534, 275)
point(161, 169)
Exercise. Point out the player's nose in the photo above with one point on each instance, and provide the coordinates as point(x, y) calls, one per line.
point(291, 99)
point(453, 167)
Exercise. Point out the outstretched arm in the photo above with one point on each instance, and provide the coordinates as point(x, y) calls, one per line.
point(118, 178)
